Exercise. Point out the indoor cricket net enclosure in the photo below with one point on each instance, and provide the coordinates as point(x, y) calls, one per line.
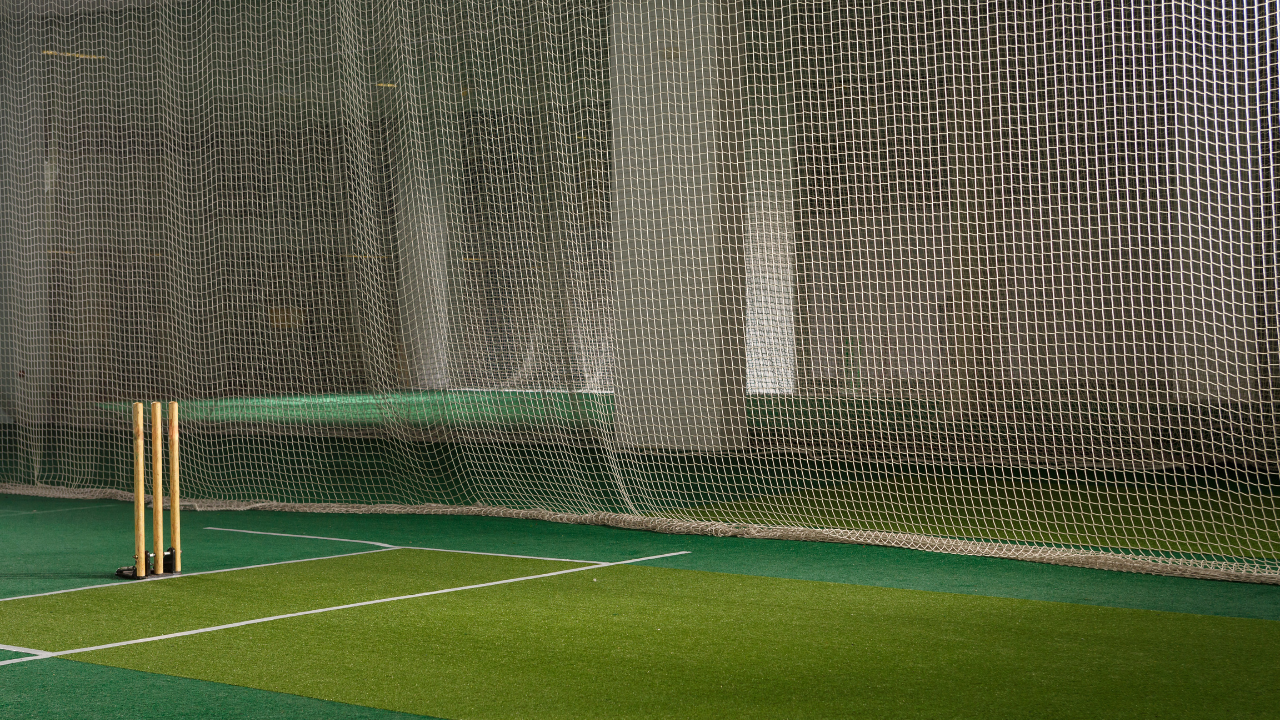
point(979, 277)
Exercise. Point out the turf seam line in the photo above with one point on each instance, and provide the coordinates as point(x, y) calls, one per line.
point(171, 576)
point(256, 621)
point(406, 547)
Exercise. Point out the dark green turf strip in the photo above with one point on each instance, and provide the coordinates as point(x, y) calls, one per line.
point(144, 609)
point(57, 689)
point(66, 549)
point(829, 562)
point(9, 654)
point(53, 544)
point(637, 642)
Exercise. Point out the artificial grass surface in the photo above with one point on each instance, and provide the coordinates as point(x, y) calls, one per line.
point(730, 645)
point(59, 689)
point(56, 549)
point(829, 562)
point(144, 609)
point(55, 544)
point(642, 642)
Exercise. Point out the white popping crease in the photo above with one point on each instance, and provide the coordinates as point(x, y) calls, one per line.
point(596, 566)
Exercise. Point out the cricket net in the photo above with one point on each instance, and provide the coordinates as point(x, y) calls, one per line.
point(990, 278)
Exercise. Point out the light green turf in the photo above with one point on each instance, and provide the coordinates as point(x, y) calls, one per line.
point(65, 690)
point(142, 609)
point(640, 642)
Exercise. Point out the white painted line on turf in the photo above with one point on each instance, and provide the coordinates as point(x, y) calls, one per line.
point(43, 512)
point(243, 623)
point(307, 537)
point(406, 547)
point(14, 661)
point(522, 557)
point(29, 651)
point(169, 576)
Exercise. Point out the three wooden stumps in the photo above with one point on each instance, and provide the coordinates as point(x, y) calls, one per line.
point(174, 564)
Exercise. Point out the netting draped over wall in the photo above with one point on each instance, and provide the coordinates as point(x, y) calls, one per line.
point(979, 277)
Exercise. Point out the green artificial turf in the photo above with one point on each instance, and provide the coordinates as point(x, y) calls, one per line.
point(58, 549)
point(829, 562)
point(143, 609)
point(730, 645)
point(55, 544)
point(643, 642)
point(65, 690)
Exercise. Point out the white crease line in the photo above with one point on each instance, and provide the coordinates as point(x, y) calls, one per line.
point(169, 576)
point(383, 546)
point(43, 512)
point(406, 547)
point(523, 557)
point(243, 623)
point(308, 537)
point(29, 651)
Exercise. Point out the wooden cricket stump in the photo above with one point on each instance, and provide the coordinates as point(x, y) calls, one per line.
point(139, 493)
point(175, 521)
point(139, 569)
point(157, 484)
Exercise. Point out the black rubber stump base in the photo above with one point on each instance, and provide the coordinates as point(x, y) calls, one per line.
point(130, 572)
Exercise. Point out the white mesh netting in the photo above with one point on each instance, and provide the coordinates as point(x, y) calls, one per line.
point(992, 278)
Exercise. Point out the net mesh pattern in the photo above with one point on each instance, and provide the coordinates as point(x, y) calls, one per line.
point(962, 276)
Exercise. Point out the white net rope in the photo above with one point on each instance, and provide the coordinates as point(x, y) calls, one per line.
point(956, 276)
